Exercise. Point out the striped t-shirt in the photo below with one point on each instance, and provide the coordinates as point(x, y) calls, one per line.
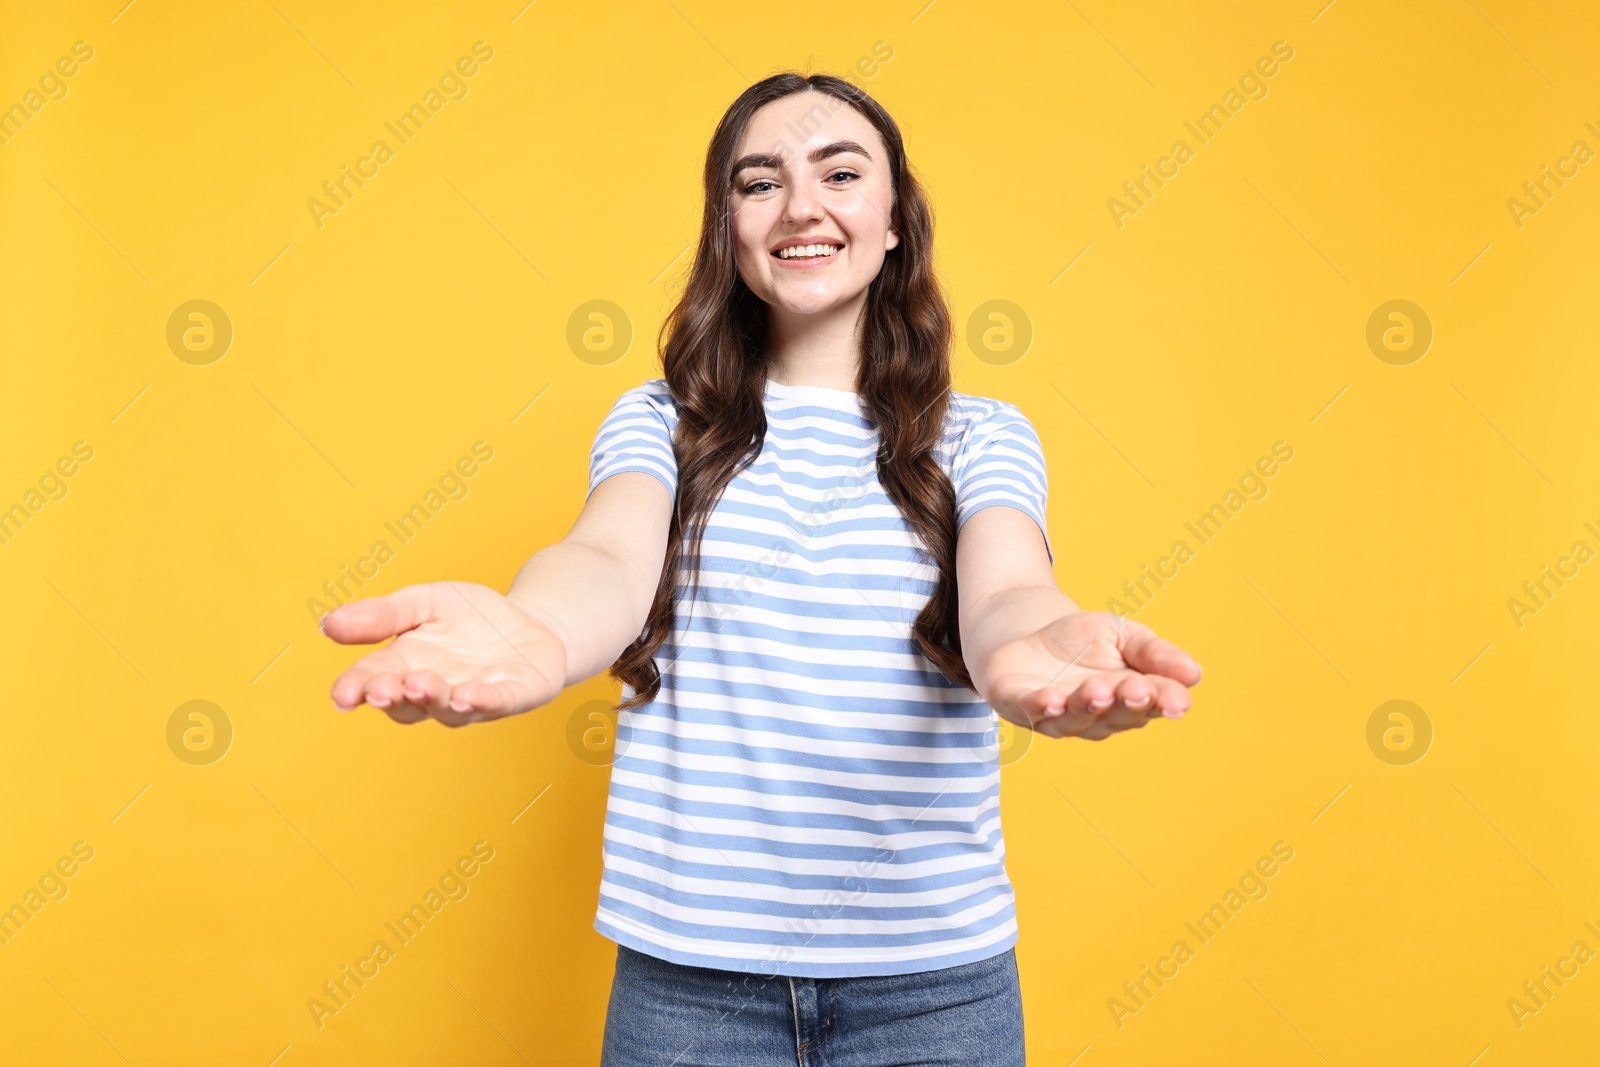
point(808, 795)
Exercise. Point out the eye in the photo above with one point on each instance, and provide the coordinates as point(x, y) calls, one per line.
point(841, 174)
point(757, 186)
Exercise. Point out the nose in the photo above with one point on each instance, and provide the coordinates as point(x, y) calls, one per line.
point(801, 204)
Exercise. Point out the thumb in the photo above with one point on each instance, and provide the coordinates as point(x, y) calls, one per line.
point(373, 619)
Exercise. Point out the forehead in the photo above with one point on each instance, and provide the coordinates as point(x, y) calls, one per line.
point(791, 124)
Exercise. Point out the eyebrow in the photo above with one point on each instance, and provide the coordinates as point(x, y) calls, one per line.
point(816, 155)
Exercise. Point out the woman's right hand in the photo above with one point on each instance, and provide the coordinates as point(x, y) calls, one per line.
point(462, 653)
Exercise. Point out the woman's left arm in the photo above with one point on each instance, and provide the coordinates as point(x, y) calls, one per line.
point(1039, 660)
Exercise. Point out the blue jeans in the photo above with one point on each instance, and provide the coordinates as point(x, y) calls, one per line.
point(665, 1014)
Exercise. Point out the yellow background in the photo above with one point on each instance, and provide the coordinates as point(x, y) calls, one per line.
point(1227, 314)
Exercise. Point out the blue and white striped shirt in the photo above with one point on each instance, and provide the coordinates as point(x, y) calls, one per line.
point(808, 795)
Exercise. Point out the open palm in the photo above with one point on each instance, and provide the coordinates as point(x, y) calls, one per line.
point(1090, 674)
point(461, 653)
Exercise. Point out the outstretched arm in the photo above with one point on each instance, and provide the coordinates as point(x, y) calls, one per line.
point(1039, 660)
point(594, 587)
point(464, 653)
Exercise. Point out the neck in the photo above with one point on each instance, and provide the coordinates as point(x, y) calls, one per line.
point(817, 349)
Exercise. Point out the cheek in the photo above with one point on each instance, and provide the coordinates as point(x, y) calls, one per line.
point(867, 234)
point(744, 241)
point(865, 221)
point(752, 267)
point(749, 231)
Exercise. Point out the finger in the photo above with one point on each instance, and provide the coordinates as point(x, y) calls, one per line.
point(1054, 701)
point(1083, 725)
point(1098, 708)
point(1037, 705)
point(384, 691)
point(1172, 698)
point(1135, 691)
point(426, 690)
point(1096, 693)
point(1069, 723)
point(1150, 654)
point(1124, 718)
point(349, 688)
point(453, 719)
point(373, 619)
point(1023, 701)
point(1097, 731)
point(405, 713)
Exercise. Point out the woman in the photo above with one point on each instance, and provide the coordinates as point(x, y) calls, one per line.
point(815, 568)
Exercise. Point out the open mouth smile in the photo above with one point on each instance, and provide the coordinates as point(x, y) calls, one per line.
point(804, 252)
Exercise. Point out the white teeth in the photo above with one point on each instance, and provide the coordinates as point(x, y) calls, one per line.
point(806, 251)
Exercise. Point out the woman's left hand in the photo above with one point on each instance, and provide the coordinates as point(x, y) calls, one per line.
point(1090, 674)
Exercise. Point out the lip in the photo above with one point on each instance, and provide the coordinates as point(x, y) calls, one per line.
point(807, 264)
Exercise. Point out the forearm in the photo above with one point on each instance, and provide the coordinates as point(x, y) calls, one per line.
point(593, 601)
point(1004, 616)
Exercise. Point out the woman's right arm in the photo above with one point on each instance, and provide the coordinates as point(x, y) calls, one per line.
point(594, 587)
point(466, 653)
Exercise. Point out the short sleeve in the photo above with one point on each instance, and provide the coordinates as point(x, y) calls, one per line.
point(636, 435)
point(1000, 461)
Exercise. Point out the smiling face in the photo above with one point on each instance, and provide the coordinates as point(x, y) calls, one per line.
point(811, 218)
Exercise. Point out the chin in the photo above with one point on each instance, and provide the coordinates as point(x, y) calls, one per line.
point(812, 306)
point(801, 301)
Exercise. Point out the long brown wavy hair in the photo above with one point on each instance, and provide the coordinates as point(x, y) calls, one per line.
point(713, 346)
